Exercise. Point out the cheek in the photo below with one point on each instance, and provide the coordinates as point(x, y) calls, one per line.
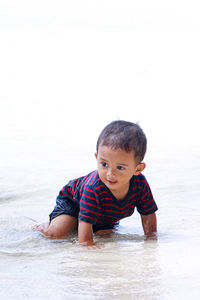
point(102, 175)
point(100, 169)
point(102, 172)
point(126, 176)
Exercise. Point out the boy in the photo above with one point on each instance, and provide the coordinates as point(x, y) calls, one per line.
point(96, 202)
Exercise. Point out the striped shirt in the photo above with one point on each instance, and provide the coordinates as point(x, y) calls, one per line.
point(97, 205)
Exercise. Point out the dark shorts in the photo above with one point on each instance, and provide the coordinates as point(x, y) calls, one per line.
point(67, 207)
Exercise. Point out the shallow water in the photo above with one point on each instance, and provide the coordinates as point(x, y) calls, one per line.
point(127, 267)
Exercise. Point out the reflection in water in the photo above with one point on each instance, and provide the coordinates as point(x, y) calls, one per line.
point(126, 268)
point(122, 269)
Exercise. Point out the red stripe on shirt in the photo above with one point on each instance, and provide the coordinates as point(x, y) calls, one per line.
point(144, 195)
point(62, 192)
point(111, 217)
point(88, 217)
point(106, 198)
point(93, 212)
point(140, 180)
point(91, 191)
point(128, 204)
point(100, 186)
point(145, 186)
point(89, 204)
point(136, 194)
point(135, 188)
point(148, 203)
point(95, 175)
point(117, 212)
point(73, 187)
point(88, 197)
point(104, 192)
point(69, 192)
point(150, 208)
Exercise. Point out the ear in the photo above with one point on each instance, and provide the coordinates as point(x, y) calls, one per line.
point(95, 155)
point(140, 167)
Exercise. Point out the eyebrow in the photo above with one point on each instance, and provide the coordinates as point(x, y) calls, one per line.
point(120, 164)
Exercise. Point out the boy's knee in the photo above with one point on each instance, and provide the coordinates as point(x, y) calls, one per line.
point(54, 233)
point(60, 227)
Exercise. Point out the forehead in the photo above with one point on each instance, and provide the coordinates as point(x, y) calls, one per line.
point(118, 155)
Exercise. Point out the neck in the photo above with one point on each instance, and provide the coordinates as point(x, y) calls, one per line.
point(121, 195)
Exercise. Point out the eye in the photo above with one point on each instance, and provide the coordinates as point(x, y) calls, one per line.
point(104, 164)
point(120, 168)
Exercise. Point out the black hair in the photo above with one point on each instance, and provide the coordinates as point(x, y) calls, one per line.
point(124, 135)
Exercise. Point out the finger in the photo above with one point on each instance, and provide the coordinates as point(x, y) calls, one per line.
point(95, 246)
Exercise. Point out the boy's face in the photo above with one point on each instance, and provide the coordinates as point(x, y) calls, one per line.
point(116, 167)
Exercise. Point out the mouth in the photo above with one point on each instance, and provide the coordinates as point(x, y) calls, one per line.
point(111, 182)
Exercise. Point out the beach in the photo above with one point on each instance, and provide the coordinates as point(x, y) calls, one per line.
point(68, 69)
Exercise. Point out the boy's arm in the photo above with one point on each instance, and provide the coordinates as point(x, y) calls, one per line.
point(149, 224)
point(85, 234)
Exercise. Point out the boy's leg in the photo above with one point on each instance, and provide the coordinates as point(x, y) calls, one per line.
point(59, 227)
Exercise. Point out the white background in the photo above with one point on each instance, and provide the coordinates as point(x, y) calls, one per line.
point(67, 68)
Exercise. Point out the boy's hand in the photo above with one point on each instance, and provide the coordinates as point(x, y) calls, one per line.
point(92, 246)
point(85, 236)
point(149, 224)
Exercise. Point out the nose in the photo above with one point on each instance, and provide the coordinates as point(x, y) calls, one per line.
point(110, 173)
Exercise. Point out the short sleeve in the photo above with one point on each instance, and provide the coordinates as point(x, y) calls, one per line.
point(146, 204)
point(90, 209)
